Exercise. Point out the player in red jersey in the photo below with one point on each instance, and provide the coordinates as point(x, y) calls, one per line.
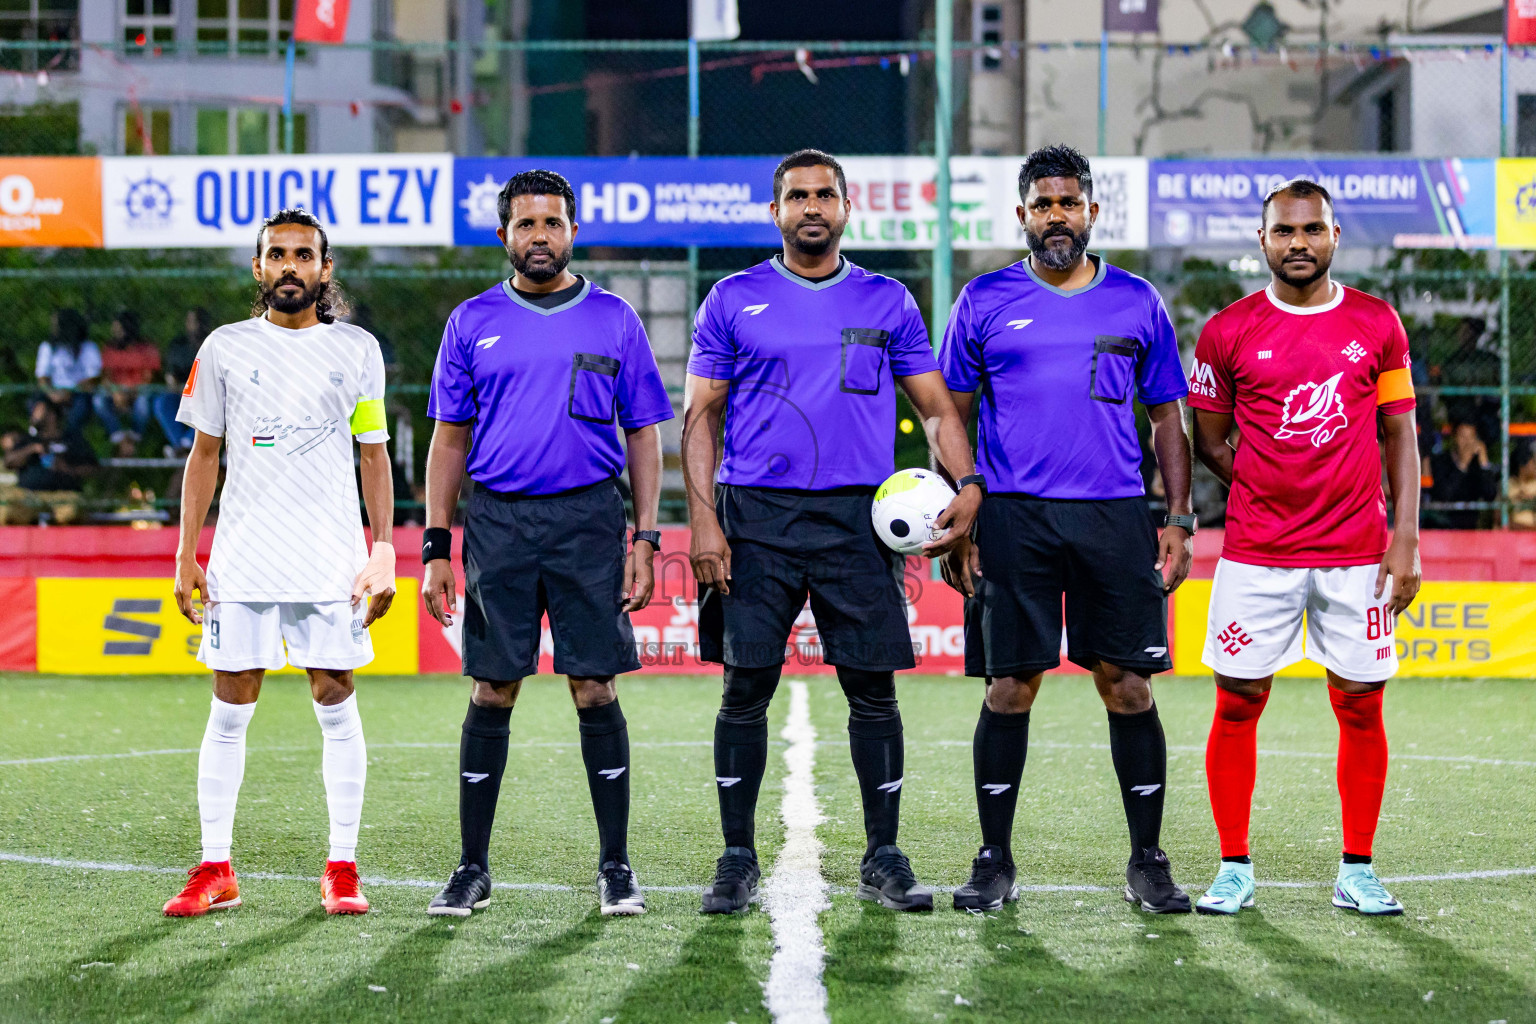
point(1310, 371)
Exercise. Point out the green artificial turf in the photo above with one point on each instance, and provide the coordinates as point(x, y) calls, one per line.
point(89, 944)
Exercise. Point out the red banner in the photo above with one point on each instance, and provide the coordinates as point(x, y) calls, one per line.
point(1520, 25)
point(320, 21)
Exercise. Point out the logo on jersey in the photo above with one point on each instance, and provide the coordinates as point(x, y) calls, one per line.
point(1233, 639)
point(1019, 325)
point(359, 632)
point(336, 379)
point(1354, 351)
point(1315, 411)
point(488, 342)
point(1266, 353)
point(264, 441)
point(186, 392)
point(754, 310)
point(1202, 379)
point(255, 379)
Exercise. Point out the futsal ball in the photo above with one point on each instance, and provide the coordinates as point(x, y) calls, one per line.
point(906, 507)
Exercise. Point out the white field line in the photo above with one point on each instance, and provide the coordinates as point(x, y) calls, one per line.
point(422, 883)
point(796, 893)
point(60, 758)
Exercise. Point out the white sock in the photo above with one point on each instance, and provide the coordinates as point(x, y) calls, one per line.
point(345, 768)
point(220, 768)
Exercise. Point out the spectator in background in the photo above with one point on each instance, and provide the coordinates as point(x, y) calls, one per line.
point(51, 462)
point(128, 364)
point(1470, 365)
point(179, 357)
point(69, 367)
point(1522, 487)
point(1462, 472)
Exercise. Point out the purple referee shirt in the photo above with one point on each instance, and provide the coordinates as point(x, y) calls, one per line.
point(1059, 374)
point(811, 368)
point(544, 388)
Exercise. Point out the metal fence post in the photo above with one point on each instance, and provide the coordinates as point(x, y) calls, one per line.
point(1504, 381)
point(693, 152)
point(1103, 89)
point(943, 123)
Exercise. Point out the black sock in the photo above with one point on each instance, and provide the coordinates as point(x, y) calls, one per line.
point(1356, 858)
point(1244, 859)
point(997, 755)
point(482, 759)
point(741, 749)
point(876, 745)
point(741, 755)
point(605, 751)
point(1140, 754)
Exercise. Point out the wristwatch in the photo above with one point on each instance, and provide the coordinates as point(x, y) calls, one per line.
point(974, 478)
point(1187, 522)
point(653, 537)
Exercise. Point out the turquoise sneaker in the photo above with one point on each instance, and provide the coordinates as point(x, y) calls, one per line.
point(1357, 888)
point(1231, 892)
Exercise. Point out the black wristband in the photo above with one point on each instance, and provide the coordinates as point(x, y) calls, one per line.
point(436, 542)
point(973, 478)
point(651, 537)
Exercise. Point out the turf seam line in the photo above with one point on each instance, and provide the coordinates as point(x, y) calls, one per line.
point(795, 894)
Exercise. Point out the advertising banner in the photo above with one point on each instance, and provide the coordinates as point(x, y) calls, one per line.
point(723, 201)
point(182, 201)
point(1451, 629)
point(1517, 204)
point(320, 21)
point(1412, 204)
point(50, 201)
point(644, 201)
point(128, 626)
point(1520, 23)
point(1130, 15)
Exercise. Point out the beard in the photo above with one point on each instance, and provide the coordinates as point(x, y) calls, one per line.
point(1301, 274)
point(540, 272)
point(1053, 257)
point(307, 296)
point(813, 248)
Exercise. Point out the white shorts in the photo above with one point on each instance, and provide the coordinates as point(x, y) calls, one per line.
point(1254, 629)
point(239, 636)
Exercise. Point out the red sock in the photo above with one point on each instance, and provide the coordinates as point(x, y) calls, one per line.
point(1362, 765)
point(1231, 756)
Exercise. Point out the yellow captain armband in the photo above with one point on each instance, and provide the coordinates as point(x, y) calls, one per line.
point(369, 415)
point(1394, 385)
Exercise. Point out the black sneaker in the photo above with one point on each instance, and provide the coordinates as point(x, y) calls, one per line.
point(886, 877)
point(991, 883)
point(735, 883)
point(1149, 882)
point(468, 889)
point(618, 890)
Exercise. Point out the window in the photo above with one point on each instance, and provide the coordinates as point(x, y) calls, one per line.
point(224, 131)
point(250, 27)
point(1386, 122)
point(40, 20)
point(1525, 124)
point(146, 131)
point(147, 23)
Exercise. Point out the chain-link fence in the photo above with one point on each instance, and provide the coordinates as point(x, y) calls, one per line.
point(1471, 316)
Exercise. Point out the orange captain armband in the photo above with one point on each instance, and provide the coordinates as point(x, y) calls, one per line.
point(1394, 386)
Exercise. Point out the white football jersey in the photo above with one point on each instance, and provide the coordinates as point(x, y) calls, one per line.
point(287, 403)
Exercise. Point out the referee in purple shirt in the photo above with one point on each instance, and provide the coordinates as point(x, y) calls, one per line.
point(534, 380)
point(1053, 353)
point(801, 356)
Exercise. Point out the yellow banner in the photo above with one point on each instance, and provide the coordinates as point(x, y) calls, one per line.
point(132, 627)
point(1452, 629)
point(1515, 194)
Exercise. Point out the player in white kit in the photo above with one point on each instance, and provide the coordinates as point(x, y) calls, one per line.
point(288, 390)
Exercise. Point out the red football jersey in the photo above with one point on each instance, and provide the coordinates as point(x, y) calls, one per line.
point(1304, 384)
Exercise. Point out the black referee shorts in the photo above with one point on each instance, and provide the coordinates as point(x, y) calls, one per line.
point(1099, 554)
point(787, 545)
point(563, 554)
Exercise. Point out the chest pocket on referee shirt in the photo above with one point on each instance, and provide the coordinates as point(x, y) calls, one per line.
point(1114, 367)
point(594, 381)
point(863, 360)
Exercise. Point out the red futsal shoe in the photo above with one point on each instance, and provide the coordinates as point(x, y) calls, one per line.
point(339, 889)
point(209, 886)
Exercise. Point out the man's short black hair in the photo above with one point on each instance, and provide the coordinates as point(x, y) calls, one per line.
point(1055, 162)
point(294, 215)
point(808, 158)
point(534, 183)
point(1296, 188)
